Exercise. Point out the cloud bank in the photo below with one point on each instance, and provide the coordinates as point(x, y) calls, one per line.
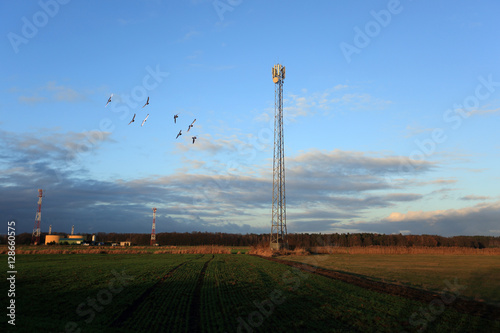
point(327, 191)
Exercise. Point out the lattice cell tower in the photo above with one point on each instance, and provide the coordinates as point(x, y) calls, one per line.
point(35, 236)
point(153, 231)
point(278, 228)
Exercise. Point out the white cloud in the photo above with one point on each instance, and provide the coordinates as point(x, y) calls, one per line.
point(32, 99)
point(51, 92)
point(413, 130)
point(484, 213)
point(440, 181)
point(352, 162)
point(309, 104)
point(480, 219)
point(325, 189)
point(483, 111)
point(475, 197)
point(362, 101)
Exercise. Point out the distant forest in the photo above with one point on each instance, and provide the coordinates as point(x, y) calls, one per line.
point(294, 240)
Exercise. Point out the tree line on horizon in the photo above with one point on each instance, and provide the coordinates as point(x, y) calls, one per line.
point(304, 240)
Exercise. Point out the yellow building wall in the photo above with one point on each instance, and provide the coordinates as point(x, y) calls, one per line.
point(52, 238)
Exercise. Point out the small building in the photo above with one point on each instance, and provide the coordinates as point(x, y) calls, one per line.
point(72, 241)
point(124, 243)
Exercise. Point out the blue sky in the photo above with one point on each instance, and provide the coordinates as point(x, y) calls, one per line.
point(391, 115)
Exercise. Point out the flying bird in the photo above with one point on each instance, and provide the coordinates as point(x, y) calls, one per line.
point(133, 119)
point(180, 133)
point(147, 102)
point(175, 118)
point(109, 100)
point(145, 120)
point(194, 138)
point(191, 125)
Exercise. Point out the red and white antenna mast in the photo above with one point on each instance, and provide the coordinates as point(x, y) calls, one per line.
point(153, 231)
point(35, 236)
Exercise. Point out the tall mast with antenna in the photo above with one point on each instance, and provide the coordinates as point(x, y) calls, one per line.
point(278, 225)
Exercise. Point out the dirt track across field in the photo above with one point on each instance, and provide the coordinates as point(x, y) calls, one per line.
point(462, 305)
point(194, 312)
point(118, 322)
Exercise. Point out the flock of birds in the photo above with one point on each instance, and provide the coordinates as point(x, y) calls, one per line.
point(175, 119)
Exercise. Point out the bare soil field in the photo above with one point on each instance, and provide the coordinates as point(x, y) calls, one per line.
point(471, 307)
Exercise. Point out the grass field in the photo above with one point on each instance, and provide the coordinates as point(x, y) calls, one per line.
point(208, 293)
point(478, 274)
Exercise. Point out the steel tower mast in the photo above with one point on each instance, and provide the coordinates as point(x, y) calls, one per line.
point(278, 227)
point(35, 236)
point(153, 231)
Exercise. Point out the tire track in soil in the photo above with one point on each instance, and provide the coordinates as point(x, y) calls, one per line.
point(470, 307)
point(194, 310)
point(127, 313)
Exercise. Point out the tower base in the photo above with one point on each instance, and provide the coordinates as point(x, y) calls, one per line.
point(279, 246)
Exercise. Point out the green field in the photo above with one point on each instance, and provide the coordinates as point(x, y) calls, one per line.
point(207, 293)
point(479, 275)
